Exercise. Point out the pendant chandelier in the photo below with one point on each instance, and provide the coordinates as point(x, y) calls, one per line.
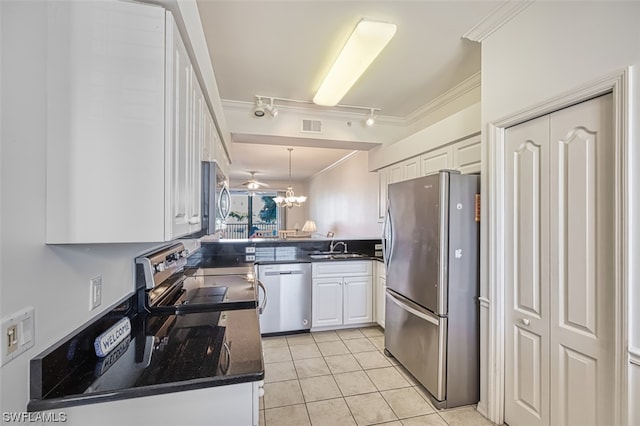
point(289, 200)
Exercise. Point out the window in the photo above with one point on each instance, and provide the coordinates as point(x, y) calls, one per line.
point(251, 213)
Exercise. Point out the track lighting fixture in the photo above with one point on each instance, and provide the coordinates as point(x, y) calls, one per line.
point(260, 108)
point(371, 120)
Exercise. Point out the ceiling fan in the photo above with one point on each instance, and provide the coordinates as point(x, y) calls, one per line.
point(252, 184)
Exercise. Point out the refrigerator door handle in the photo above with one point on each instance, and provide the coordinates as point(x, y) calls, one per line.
point(414, 311)
point(263, 305)
point(387, 237)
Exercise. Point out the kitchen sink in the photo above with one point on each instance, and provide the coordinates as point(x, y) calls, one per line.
point(320, 256)
point(347, 255)
point(326, 255)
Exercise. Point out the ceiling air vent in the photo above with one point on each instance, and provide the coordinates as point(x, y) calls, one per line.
point(312, 126)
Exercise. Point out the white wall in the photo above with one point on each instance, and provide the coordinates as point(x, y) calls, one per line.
point(344, 200)
point(542, 53)
point(52, 279)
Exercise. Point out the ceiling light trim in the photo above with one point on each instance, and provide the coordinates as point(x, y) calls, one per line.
point(364, 45)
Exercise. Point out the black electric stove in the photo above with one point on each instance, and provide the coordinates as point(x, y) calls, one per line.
point(164, 287)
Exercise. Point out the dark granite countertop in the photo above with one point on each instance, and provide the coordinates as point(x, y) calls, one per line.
point(233, 254)
point(165, 353)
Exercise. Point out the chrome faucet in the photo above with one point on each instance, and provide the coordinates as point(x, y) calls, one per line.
point(333, 246)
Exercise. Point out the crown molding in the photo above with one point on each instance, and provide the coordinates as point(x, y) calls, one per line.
point(496, 19)
point(450, 95)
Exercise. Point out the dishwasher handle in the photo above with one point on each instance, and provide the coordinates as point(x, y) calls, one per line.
point(263, 305)
point(273, 273)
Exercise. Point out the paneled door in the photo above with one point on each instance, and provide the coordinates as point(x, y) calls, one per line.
point(559, 300)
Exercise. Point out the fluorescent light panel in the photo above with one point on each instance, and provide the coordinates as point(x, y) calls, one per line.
point(364, 45)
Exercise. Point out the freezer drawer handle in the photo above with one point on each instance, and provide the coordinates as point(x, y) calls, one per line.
point(414, 311)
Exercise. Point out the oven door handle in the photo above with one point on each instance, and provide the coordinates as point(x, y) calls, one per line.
point(224, 367)
point(263, 305)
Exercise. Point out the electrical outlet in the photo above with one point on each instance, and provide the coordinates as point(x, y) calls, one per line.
point(249, 250)
point(17, 334)
point(95, 298)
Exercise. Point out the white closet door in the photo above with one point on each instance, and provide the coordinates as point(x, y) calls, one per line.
point(582, 264)
point(559, 297)
point(527, 276)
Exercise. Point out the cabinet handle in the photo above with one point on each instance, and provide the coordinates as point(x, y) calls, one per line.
point(194, 220)
point(525, 321)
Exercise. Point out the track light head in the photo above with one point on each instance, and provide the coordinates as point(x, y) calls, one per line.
point(258, 111)
point(371, 120)
point(273, 111)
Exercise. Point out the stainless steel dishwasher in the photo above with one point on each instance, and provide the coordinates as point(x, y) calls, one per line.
point(286, 303)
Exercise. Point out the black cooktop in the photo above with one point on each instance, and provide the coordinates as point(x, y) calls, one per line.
point(165, 353)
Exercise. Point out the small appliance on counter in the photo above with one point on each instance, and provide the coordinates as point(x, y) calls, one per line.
point(431, 254)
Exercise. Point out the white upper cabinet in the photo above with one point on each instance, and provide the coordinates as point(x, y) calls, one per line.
point(126, 125)
point(464, 156)
point(410, 168)
point(436, 160)
point(467, 155)
point(105, 122)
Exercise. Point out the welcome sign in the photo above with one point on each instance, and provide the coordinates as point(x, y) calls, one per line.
point(109, 340)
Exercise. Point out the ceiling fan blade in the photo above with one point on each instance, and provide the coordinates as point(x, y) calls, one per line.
point(253, 183)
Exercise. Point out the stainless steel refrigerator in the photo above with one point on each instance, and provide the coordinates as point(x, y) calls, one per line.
point(431, 252)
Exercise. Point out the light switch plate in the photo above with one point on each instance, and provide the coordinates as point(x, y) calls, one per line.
point(18, 334)
point(95, 298)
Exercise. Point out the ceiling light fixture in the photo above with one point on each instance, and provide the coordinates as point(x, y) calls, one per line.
point(364, 44)
point(258, 111)
point(371, 120)
point(290, 200)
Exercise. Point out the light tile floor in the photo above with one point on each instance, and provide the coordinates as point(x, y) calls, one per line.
point(342, 377)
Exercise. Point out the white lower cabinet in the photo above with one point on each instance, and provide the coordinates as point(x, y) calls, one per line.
point(342, 294)
point(236, 404)
point(380, 288)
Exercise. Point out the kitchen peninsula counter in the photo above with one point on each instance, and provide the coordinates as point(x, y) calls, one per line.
point(165, 353)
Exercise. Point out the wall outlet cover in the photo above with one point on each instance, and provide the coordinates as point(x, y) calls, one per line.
point(18, 334)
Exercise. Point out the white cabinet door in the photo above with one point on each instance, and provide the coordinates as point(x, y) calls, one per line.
point(436, 160)
point(327, 302)
point(180, 131)
point(467, 155)
point(208, 148)
point(395, 173)
point(195, 155)
point(380, 288)
point(410, 168)
point(358, 300)
point(383, 183)
point(559, 295)
point(185, 124)
point(105, 122)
